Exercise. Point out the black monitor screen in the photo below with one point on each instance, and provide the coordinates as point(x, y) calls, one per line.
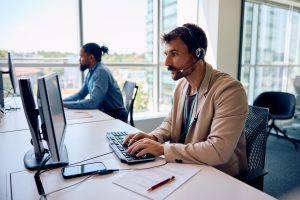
point(52, 120)
point(57, 111)
point(52, 113)
point(12, 77)
point(12, 74)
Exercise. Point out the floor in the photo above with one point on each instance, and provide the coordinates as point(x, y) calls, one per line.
point(283, 162)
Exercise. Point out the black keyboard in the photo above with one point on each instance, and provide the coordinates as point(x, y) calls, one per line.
point(115, 142)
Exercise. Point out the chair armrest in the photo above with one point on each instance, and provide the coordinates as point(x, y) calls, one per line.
point(251, 175)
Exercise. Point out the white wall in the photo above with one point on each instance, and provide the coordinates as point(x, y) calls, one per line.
point(220, 19)
point(208, 21)
point(228, 36)
point(148, 124)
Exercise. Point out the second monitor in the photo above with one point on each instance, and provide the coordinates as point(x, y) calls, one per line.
point(12, 77)
point(50, 127)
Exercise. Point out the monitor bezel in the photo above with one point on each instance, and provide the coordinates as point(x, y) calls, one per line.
point(48, 130)
point(39, 157)
point(12, 73)
point(13, 80)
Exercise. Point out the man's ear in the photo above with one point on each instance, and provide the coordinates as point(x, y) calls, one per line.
point(91, 56)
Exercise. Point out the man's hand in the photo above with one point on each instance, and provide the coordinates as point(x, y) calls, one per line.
point(132, 138)
point(146, 145)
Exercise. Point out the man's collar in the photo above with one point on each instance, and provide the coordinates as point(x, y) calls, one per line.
point(94, 67)
point(207, 77)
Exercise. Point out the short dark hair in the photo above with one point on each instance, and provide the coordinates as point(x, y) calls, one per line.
point(96, 50)
point(193, 42)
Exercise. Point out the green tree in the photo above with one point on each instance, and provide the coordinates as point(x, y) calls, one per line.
point(3, 53)
point(141, 100)
point(53, 54)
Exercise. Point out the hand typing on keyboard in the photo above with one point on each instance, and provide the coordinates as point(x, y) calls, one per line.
point(142, 143)
point(116, 140)
point(134, 137)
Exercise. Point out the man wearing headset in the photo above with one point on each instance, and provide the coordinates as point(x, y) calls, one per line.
point(206, 123)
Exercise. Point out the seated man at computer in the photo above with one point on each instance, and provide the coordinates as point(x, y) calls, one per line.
point(206, 123)
point(104, 92)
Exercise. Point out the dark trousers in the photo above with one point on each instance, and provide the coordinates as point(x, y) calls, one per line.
point(119, 113)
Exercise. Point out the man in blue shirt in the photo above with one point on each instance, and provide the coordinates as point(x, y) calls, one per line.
point(103, 90)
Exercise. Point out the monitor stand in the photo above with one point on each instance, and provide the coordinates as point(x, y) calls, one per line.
point(32, 163)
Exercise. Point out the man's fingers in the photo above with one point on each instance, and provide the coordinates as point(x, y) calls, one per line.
point(142, 152)
point(136, 146)
point(127, 138)
point(135, 138)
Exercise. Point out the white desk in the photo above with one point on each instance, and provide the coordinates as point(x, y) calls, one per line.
point(15, 120)
point(76, 116)
point(88, 140)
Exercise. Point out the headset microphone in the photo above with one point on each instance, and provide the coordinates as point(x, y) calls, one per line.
point(185, 71)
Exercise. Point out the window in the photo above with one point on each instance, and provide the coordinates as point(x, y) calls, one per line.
point(36, 38)
point(44, 36)
point(270, 48)
point(126, 28)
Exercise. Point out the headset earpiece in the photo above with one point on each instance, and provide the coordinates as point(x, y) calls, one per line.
point(200, 52)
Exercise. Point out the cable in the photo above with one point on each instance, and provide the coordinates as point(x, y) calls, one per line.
point(81, 161)
point(9, 92)
point(12, 98)
point(101, 172)
point(108, 171)
point(37, 179)
point(144, 168)
point(78, 183)
point(91, 158)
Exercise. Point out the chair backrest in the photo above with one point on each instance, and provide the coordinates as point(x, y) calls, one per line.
point(256, 136)
point(129, 91)
point(281, 104)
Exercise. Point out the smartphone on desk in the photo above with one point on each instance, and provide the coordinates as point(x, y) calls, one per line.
point(82, 170)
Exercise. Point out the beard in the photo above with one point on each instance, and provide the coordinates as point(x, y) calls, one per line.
point(174, 71)
point(184, 72)
point(179, 74)
point(83, 67)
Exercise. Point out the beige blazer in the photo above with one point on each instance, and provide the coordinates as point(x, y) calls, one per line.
point(216, 135)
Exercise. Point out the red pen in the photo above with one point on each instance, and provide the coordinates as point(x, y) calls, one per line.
point(161, 183)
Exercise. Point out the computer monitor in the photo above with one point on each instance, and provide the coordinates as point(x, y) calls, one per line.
point(51, 125)
point(12, 73)
point(12, 77)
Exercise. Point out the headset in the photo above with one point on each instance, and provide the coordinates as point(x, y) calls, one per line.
point(199, 52)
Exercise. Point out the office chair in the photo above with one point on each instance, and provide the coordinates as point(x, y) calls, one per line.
point(256, 138)
point(281, 106)
point(130, 90)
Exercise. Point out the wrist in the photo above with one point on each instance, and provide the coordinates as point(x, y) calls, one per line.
point(162, 152)
point(153, 137)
